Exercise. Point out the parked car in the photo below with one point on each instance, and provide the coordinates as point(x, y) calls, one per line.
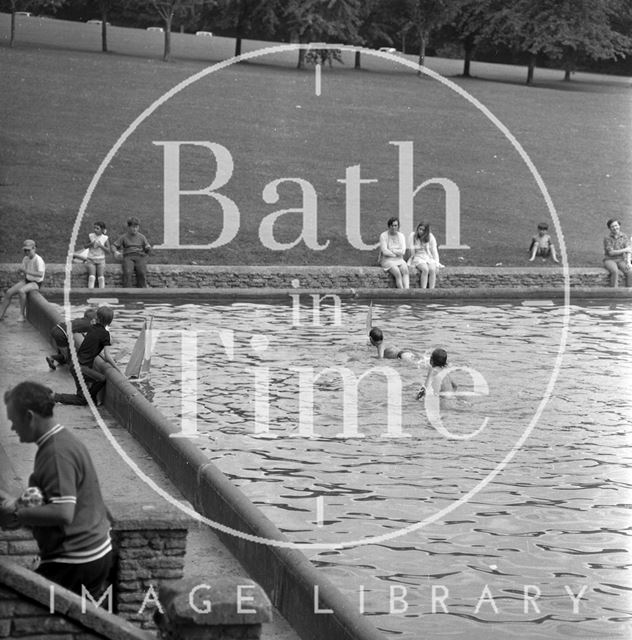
point(208, 34)
point(99, 22)
point(158, 29)
point(26, 14)
point(388, 49)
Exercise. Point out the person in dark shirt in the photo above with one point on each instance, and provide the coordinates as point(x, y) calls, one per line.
point(96, 342)
point(59, 336)
point(133, 247)
point(70, 523)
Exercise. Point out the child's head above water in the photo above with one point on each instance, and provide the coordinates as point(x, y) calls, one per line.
point(375, 335)
point(439, 358)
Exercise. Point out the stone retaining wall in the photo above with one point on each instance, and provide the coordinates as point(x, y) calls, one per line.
point(196, 276)
point(21, 547)
point(150, 544)
point(26, 611)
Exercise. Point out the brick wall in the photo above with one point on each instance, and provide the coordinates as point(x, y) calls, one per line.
point(150, 543)
point(20, 546)
point(196, 276)
point(147, 554)
point(26, 612)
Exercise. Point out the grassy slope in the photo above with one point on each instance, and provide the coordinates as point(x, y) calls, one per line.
point(67, 104)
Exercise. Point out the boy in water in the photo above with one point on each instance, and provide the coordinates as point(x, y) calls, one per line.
point(438, 379)
point(376, 337)
point(542, 244)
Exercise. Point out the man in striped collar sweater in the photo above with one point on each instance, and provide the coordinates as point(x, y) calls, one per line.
point(71, 527)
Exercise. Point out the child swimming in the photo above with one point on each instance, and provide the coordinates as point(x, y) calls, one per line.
point(438, 362)
point(376, 338)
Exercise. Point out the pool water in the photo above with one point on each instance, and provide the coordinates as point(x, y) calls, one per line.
point(540, 551)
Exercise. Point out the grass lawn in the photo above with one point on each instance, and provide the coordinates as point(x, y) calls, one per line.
point(65, 104)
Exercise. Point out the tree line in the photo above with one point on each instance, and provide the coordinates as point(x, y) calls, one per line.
point(571, 34)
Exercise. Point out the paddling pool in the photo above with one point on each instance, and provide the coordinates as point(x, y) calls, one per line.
point(541, 551)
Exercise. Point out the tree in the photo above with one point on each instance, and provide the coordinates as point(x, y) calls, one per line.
point(598, 30)
point(322, 20)
point(27, 5)
point(241, 17)
point(563, 29)
point(104, 12)
point(471, 25)
point(373, 19)
point(168, 10)
point(423, 17)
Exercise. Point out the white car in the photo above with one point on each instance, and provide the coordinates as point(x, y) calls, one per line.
point(26, 14)
point(388, 49)
point(157, 29)
point(208, 34)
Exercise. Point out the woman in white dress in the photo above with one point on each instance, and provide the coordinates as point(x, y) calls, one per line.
point(424, 256)
point(392, 250)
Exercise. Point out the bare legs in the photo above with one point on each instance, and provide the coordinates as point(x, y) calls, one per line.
point(427, 275)
point(401, 275)
point(96, 273)
point(21, 288)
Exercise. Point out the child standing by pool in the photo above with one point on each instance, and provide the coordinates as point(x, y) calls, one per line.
point(438, 378)
point(98, 244)
point(134, 248)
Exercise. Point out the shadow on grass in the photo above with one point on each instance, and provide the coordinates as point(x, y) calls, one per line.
point(580, 85)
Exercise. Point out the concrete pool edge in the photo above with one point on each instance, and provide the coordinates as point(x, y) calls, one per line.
point(202, 295)
point(293, 584)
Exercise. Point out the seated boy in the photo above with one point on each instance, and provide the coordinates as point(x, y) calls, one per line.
point(60, 337)
point(31, 274)
point(542, 244)
point(96, 342)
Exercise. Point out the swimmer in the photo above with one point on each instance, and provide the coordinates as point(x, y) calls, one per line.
point(438, 362)
point(376, 337)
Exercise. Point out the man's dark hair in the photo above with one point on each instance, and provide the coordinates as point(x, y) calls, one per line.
point(31, 395)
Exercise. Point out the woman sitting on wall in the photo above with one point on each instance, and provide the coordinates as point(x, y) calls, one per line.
point(392, 250)
point(424, 256)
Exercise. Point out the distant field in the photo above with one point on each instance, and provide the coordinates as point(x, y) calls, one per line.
point(65, 104)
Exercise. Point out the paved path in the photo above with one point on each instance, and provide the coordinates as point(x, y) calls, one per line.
point(23, 351)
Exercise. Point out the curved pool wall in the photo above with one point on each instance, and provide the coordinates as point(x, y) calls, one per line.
point(286, 575)
point(319, 277)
